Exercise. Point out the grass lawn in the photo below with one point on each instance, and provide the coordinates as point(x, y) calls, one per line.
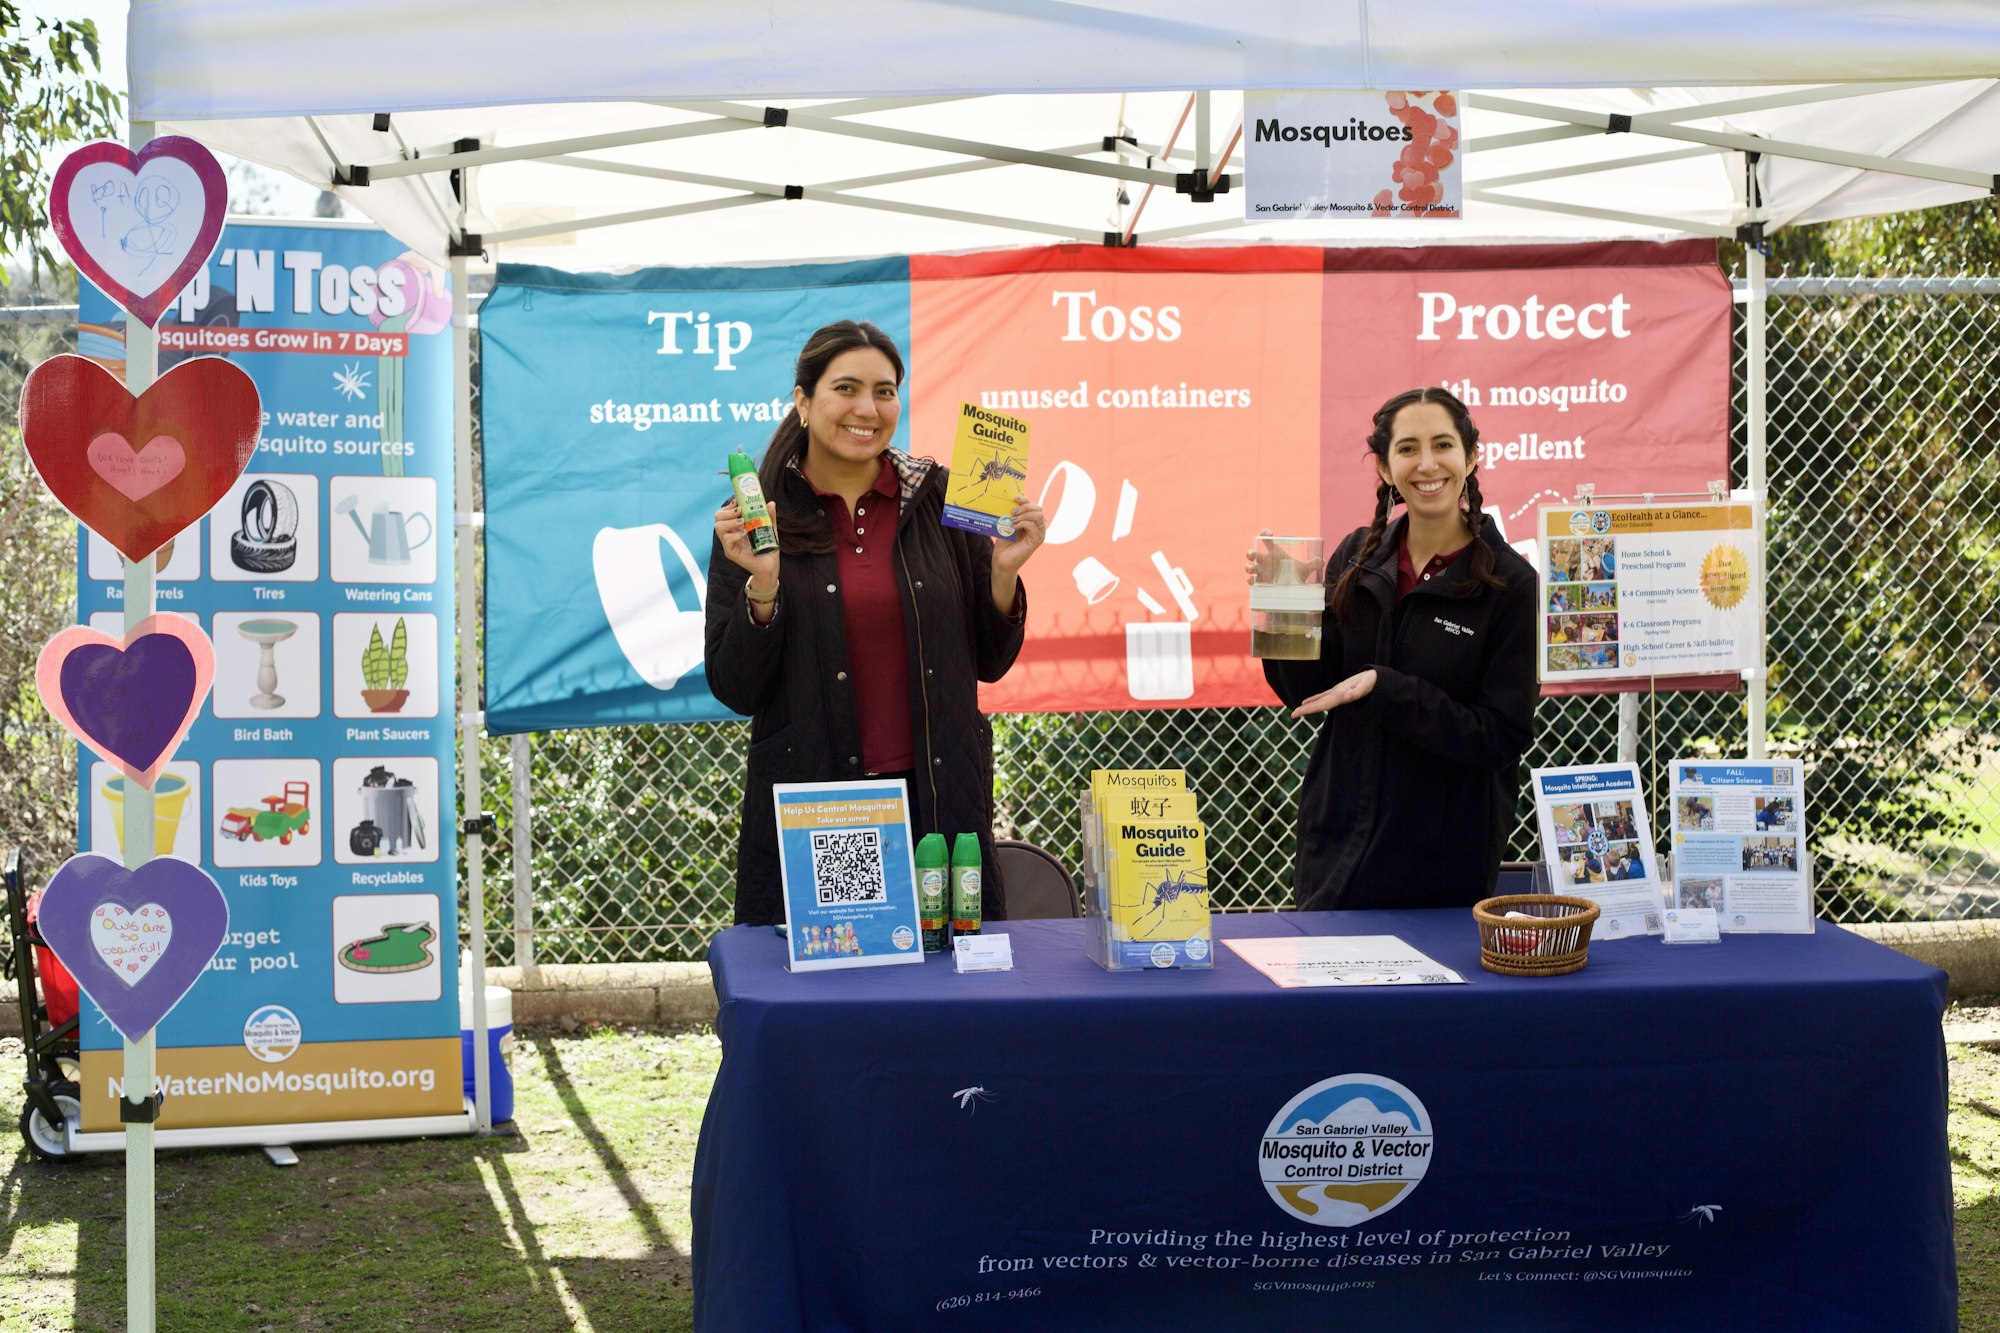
point(580, 1222)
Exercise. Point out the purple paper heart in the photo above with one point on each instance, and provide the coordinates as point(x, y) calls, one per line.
point(135, 940)
point(133, 701)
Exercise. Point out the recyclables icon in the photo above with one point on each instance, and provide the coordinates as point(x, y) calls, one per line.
point(1346, 1150)
point(661, 639)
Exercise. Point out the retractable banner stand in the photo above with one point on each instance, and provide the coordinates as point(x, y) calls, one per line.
point(1180, 401)
point(316, 784)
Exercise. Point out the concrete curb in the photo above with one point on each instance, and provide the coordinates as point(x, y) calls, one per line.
point(650, 994)
point(565, 995)
point(680, 994)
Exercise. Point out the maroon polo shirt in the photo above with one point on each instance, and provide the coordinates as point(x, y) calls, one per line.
point(878, 652)
point(1406, 573)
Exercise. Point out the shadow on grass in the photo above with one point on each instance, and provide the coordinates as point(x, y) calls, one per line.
point(1978, 1240)
point(384, 1235)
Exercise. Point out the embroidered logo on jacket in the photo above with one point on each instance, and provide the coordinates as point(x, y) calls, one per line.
point(1453, 626)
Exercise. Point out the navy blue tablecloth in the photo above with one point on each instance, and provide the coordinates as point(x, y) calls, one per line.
point(1742, 1135)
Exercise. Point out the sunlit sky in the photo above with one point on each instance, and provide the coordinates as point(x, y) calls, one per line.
point(294, 198)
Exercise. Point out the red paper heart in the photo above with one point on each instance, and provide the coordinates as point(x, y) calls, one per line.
point(206, 408)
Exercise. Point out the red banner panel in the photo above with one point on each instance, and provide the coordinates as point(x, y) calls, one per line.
point(1181, 400)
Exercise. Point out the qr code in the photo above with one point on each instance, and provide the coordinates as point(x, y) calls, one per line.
point(847, 867)
point(1432, 978)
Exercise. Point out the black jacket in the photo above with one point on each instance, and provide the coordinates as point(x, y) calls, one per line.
point(1411, 791)
point(791, 677)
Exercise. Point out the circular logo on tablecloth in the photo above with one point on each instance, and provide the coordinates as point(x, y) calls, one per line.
point(1346, 1150)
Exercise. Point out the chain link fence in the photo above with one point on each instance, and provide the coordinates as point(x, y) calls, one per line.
point(1884, 644)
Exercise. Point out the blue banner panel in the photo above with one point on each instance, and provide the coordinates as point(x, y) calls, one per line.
point(317, 784)
point(610, 404)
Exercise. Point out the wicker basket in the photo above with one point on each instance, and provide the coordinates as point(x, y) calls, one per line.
point(1553, 937)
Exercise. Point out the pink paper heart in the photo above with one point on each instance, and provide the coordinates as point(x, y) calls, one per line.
point(139, 225)
point(136, 473)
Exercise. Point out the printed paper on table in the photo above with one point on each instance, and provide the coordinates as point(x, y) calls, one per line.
point(850, 876)
point(1596, 844)
point(1740, 842)
point(1343, 960)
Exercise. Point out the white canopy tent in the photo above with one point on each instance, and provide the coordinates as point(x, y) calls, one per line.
point(618, 132)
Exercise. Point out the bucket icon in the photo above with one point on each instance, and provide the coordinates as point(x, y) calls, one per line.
point(169, 795)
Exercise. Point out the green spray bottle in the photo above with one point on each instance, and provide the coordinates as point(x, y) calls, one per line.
point(965, 885)
point(932, 896)
point(757, 525)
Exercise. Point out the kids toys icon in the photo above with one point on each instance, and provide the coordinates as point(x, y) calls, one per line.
point(281, 818)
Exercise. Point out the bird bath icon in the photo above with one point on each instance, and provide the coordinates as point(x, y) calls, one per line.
point(267, 634)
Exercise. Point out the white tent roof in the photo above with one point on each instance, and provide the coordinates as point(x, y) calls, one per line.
point(657, 108)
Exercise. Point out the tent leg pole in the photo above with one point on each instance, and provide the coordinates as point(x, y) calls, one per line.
point(141, 599)
point(1755, 412)
point(524, 858)
point(469, 723)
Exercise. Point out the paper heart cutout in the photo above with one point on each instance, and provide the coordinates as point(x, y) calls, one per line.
point(131, 699)
point(139, 225)
point(192, 908)
point(136, 473)
point(131, 942)
point(206, 408)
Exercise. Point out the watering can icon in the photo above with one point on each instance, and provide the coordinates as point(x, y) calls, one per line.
point(387, 531)
point(659, 637)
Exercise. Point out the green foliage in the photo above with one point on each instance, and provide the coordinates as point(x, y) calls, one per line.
point(634, 840)
point(38, 574)
point(1882, 535)
point(49, 95)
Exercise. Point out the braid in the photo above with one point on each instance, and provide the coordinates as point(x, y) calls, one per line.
point(1481, 566)
point(1385, 497)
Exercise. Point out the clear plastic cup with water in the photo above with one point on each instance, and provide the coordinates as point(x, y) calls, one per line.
point(1287, 597)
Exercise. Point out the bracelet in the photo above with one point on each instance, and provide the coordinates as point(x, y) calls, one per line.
point(751, 597)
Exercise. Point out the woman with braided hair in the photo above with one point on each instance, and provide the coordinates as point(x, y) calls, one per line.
point(1425, 686)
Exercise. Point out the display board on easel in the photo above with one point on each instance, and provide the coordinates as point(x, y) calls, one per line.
point(1641, 591)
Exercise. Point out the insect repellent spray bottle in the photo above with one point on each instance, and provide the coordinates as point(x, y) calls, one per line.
point(757, 525)
point(932, 895)
point(965, 885)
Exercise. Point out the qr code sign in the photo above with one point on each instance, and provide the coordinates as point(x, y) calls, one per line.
point(847, 867)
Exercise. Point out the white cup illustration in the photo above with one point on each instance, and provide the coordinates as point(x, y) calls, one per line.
point(1159, 660)
point(1093, 580)
point(660, 639)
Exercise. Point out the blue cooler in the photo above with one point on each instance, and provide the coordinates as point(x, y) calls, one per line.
point(499, 1041)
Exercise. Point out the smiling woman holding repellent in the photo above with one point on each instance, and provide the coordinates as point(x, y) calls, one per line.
point(864, 660)
point(1425, 685)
